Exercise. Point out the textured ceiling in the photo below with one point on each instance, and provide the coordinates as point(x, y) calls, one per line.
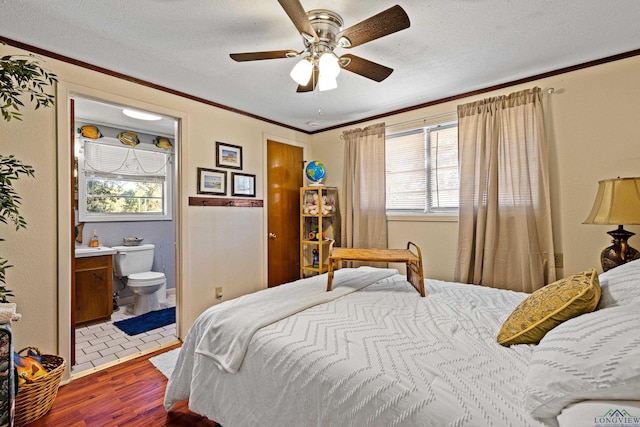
point(452, 47)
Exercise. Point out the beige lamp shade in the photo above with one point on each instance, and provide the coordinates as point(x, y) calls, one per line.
point(617, 202)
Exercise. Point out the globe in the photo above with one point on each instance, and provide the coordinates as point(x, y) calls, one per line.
point(315, 172)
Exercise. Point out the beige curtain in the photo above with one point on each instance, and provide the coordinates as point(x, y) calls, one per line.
point(504, 233)
point(364, 222)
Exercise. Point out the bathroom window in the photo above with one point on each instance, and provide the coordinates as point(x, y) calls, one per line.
point(122, 183)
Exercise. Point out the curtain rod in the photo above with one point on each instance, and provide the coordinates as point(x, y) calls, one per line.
point(424, 119)
point(547, 91)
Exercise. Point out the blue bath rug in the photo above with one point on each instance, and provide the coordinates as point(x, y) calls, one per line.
point(148, 321)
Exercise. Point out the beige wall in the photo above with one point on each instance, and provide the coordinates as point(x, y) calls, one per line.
point(218, 246)
point(593, 131)
point(594, 134)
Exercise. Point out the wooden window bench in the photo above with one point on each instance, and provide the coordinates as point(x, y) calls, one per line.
point(415, 274)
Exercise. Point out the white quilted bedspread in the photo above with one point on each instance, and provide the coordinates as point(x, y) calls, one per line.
point(381, 356)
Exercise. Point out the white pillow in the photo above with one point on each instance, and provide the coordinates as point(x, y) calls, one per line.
point(592, 356)
point(620, 285)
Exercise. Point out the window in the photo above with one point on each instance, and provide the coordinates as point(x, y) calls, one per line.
point(422, 170)
point(121, 183)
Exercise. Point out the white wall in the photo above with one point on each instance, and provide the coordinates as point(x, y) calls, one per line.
point(594, 134)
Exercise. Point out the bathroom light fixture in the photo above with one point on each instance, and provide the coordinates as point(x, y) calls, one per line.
point(140, 115)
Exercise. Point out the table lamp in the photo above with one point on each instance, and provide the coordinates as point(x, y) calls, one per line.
point(617, 202)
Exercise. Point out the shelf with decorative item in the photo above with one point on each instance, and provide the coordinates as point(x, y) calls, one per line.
point(315, 255)
point(319, 225)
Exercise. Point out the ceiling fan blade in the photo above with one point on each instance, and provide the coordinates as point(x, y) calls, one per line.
point(384, 23)
point(299, 18)
point(313, 81)
point(257, 56)
point(365, 68)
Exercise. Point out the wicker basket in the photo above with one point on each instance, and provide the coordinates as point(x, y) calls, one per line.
point(34, 399)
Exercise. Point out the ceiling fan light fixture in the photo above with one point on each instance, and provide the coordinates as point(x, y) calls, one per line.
point(343, 42)
point(308, 37)
point(322, 32)
point(301, 72)
point(329, 66)
point(326, 83)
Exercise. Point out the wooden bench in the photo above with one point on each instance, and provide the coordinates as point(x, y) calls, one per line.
point(415, 275)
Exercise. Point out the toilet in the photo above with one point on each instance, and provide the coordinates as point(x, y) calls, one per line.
point(149, 288)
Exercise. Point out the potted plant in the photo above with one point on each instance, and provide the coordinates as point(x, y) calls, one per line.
point(21, 76)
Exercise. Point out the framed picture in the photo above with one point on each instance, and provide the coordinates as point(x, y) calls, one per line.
point(243, 184)
point(211, 181)
point(228, 156)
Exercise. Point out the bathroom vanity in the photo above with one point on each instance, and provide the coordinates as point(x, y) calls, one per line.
point(94, 284)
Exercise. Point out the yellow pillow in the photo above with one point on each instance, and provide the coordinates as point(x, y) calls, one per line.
point(549, 306)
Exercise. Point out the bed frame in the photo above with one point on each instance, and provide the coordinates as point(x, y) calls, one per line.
point(415, 274)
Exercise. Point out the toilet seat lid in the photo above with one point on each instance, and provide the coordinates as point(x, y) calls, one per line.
point(146, 277)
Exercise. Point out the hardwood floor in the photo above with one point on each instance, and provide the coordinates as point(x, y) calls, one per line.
point(130, 394)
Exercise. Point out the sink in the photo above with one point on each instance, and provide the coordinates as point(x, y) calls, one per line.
point(86, 251)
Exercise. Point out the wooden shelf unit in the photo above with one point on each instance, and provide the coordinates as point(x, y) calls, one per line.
point(324, 228)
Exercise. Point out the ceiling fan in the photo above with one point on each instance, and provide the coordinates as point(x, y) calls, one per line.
point(322, 33)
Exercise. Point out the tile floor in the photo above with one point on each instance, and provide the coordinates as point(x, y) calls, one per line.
point(102, 343)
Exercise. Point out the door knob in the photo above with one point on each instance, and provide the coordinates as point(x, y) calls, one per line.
point(272, 235)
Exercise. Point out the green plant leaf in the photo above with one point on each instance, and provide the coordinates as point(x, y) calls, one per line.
point(21, 76)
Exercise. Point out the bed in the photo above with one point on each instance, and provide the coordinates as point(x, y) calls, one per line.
point(373, 352)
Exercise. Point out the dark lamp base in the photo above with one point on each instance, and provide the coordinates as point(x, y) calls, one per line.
point(620, 252)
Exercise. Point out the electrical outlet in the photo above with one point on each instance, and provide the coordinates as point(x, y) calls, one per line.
point(219, 292)
point(558, 260)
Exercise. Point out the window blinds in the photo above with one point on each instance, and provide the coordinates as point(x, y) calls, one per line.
point(422, 169)
point(406, 170)
point(443, 168)
point(124, 161)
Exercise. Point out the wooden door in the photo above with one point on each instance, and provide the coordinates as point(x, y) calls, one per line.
point(284, 178)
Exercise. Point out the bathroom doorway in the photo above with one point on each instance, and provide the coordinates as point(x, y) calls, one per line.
point(124, 189)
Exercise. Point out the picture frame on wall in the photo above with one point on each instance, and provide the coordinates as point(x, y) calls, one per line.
point(212, 181)
point(243, 184)
point(228, 156)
